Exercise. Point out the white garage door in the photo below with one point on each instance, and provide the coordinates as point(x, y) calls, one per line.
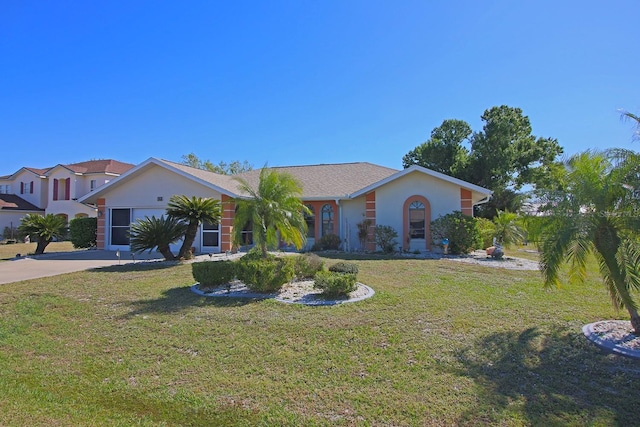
point(141, 213)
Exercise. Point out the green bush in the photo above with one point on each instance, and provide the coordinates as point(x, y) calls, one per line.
point(328, 242)
point(344, 267)
point(307, 265)
point(265, 274)
point(335, 284)
point(487, 230)
point(461, 230)
point(213, 273)
point(386, 238)
point(83, 232)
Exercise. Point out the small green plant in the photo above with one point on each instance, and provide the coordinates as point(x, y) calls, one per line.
point(460, 229)
point(344, 267)
point(386, 238)
point(328, 242)
point(307, 265)
point(487, 230)
point(363, 232)
point(265, 274)
point(213, 273)
point(335, 284)
point(83, 232)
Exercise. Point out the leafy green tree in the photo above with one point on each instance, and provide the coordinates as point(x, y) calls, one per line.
point(274, 210)
point(594, 213)
point(503, 157)
point(194, 211)
point(43, 228)
point(83, 232)
point(443, 152)
point(150, 233)
point(233, 168)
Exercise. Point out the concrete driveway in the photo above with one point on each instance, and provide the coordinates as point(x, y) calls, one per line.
point(33, 267)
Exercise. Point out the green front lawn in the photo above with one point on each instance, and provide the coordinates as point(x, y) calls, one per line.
point(440, 343)
point(10, 251)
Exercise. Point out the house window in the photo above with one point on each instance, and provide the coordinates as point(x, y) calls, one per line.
point(210, 234)
point(327, 220)
point(22, 188)
point(310, 219)
point(416, 220)
point(120, 222)
point(31, 187)
point(93, 184)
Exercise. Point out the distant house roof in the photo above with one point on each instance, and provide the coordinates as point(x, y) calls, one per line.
point(324, 181)
point(11, 202)
point(98, 166)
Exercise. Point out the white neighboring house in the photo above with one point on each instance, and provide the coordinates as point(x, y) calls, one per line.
point(54, 190)
point(339, 195)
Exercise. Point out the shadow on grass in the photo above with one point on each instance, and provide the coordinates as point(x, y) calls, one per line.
point(178, 299)
point(555, 379)
point(139, 266)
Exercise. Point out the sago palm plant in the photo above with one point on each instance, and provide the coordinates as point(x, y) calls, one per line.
point(193, 211)
point(43, 228)
point(150, 233)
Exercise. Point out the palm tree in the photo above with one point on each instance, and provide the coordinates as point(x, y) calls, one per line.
point(193, 211)
point(43, 228)
point(594, 213)
point(625, 115)
point(149, 233)
point(507, 230)
point(274, 210)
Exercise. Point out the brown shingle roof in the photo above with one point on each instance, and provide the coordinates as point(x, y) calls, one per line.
point(11, 202)
point(225, 182)
point(100, 166)
point(329, 180)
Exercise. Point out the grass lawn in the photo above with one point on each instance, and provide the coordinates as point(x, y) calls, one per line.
point(441, 343)
point(10, 251)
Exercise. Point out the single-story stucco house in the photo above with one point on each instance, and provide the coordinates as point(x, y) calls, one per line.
point(339, 195)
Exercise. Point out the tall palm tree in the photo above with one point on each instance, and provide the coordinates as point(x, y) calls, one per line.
point(625, 115)
point(193, 211)
point(274, 211)
point(43, 228)
point(149, 233)
point(594, 213)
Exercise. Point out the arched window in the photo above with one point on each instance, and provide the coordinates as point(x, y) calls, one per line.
point(416, 220)
point(310, 219)
point(327, 220)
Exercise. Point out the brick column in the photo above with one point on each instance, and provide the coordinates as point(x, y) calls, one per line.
point(370, 214)
point(466, 205)
point(102, 213)
point(226, 223)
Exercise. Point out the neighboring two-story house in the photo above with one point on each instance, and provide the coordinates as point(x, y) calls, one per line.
point(54, 190)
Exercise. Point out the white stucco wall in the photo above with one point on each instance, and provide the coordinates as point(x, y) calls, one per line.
point(141, 195)
point(352, 213)
point(36, 198)
point(9, 217)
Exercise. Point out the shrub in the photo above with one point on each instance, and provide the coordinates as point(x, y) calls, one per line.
point(335, 284)
point(460, 229)
point(265, 274)
point(487, 230)
point(344, 267)
point(307, 265)
point(213, 273)
point(363, 232)
point(83, 232)
point(328, 242)
point(386, 238)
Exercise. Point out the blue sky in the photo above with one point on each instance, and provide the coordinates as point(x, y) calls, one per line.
point(302, 82)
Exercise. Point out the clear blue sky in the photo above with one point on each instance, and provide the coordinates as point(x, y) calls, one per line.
point(303, 82)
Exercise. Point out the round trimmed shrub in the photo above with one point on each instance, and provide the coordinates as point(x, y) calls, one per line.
point(344, 267)
point(461, 230)
point(335, 284)
point(265, 274)
point(213, 273)
point(307, 265)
